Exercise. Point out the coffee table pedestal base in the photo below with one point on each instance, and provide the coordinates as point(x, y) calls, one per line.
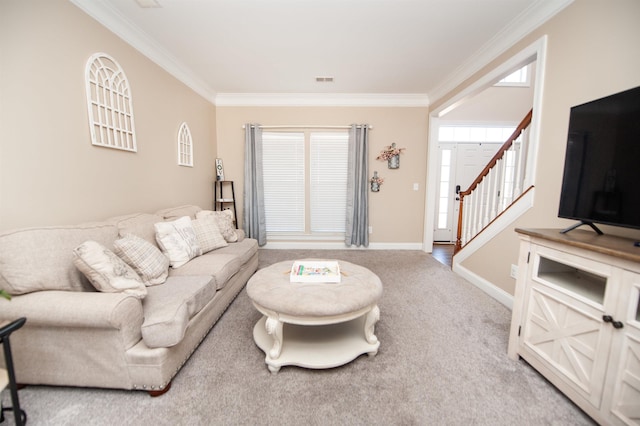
point(316, 346)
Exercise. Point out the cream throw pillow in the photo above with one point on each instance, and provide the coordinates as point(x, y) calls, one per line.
point(145, 258)
point(106, 271)
point(208, 234)
point(224, 220)
point(178, 241)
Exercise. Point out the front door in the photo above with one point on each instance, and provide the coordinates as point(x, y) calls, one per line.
point(458, 164)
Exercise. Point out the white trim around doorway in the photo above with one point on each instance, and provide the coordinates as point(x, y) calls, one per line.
point(534, 52)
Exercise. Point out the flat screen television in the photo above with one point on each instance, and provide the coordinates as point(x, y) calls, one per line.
point(601, 181)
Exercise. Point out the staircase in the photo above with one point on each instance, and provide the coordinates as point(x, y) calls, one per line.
point(498, 187)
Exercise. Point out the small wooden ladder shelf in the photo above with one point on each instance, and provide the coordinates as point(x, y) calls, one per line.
point(220, 202)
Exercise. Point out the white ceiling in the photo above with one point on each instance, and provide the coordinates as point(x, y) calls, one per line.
point(410, 48)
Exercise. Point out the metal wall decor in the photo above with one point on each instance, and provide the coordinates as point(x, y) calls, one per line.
point(391, 154)
point(376, 182)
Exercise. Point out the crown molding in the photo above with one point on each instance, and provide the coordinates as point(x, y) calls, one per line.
point(322, 99)
point(537, 14)
point(533, 17)
point(139, 40)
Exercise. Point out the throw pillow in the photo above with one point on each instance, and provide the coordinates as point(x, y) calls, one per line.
point(178, 241)
point(224, 220)
point(174, 213)
point(106, 271)
point(145, 258)
point(208, 234)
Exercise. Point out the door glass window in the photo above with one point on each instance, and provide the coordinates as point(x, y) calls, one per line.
point(445, 184)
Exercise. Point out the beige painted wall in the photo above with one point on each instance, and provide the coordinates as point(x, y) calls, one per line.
point(504, 104)
point(397, 211)
point(49, 172)
point(592, 52)
point(496, 103)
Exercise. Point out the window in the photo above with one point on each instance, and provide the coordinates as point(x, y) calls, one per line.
point(109, 104)
point(475, 133)
point(445, 184)
point(185, 146)
point(328, 186)
point(305, 182)
point(518, 78)
point(283, 157)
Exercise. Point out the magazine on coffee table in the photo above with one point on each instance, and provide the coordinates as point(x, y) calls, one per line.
point(321, 271)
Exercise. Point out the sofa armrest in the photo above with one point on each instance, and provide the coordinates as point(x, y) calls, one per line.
point(75, 309)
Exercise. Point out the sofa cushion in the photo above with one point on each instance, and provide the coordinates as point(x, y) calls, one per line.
point(173, 213)
point(144, 257)
point(244, 249)
point(140, 224)
point(208, 234)
point(178, 241)
point(224, 220)
point(169, 307)
point(106, 271)
point(220, 266)
point(36, 259)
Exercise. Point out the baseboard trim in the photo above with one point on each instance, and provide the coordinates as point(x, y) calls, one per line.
point(497, 293)
point(337, 245)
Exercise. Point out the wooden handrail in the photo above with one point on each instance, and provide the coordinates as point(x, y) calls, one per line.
point(526, 121)
point(505, 147)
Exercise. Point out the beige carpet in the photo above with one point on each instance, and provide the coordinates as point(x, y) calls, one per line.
point(442, 361)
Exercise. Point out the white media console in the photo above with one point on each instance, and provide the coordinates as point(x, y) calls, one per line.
point(576, 318)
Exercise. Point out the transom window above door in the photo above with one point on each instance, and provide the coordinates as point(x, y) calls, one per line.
point(470, 133)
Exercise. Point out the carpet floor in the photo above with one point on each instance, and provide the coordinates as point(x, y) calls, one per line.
point(442, 361)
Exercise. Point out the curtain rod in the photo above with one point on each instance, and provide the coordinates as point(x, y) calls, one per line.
point(293, 126)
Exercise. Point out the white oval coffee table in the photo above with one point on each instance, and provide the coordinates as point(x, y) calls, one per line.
point(315, 325)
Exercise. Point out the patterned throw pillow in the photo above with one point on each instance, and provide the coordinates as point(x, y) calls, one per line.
point(145, 258)
point(224, 220)
point(178, 241)
point(106, 271)
point(208, 234)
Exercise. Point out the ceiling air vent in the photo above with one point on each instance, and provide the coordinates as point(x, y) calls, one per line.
point(324, 79)
point(147, 4)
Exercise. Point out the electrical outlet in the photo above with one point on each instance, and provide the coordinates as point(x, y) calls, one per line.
point(514, 271)
point(371, 229)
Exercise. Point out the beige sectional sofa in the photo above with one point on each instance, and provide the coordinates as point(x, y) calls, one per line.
point(127, 336)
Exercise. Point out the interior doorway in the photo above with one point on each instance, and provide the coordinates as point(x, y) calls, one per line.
point(535, 53)
point(469, 135)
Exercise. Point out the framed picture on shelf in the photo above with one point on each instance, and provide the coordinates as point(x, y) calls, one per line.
point(219, 169)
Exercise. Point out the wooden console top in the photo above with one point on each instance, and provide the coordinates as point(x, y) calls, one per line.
point(619, 247)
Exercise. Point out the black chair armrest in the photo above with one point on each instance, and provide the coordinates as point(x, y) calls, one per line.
point(11, 327)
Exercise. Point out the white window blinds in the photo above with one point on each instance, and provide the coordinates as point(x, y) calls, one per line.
point(284, 181)
point(305, 182)
point(328, 181)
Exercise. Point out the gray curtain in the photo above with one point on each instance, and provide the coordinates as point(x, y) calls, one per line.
point(357, 225)
point(253, 212)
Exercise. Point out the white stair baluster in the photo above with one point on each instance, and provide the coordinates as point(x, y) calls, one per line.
point(494, 192)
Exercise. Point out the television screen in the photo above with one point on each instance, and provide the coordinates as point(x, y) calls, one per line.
point(601, 181)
